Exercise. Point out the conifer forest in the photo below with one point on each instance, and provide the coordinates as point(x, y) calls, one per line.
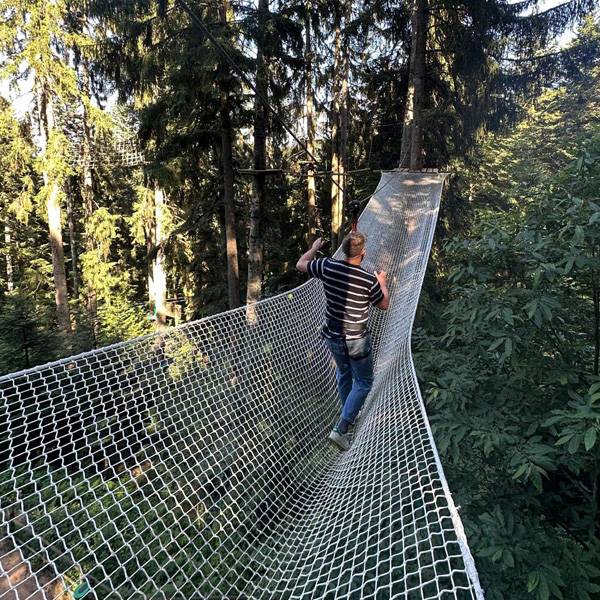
point(162, 161)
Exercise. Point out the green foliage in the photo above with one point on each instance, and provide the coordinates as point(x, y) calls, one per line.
point(16, 165)
point(511, 377)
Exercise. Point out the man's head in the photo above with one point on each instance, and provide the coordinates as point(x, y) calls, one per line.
point(353, 245)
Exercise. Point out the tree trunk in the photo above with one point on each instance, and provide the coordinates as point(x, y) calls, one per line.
point(420, 44)
point(87, 193)
point(233, 273)
point(53, 211)
point(258, 201)
point(311, 188)
point(231, 248)
point(10, 281)
point(335, 139)
point(72, 244)
point(159, 276)
point(150, 264)
point(408, 105)
point(58, 260)
point(343, 164)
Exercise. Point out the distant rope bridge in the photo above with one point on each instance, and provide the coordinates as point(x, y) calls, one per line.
point(119, 151)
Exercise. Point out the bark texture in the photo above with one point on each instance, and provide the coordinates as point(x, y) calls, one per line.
point(87, 192)
point(411, 150)
point(159, 275)
point(335, 138)
point(53, 212)
point(420, 42)
point(231, 249)
point(72, 245)
point(257, 203)
point(10, 281)
point(311, 188)
point(343, 164)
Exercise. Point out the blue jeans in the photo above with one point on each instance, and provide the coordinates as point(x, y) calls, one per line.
point(354, 372)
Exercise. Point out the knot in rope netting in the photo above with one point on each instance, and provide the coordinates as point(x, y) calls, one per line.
point(194, 464)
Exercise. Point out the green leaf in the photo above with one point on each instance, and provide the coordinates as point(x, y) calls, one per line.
point(543, 591)
point(488, 551)
point(495, 344)
point(531, 307)
point(552, 421)
point(532, 429)
point(590, 438)
point(574, 444)
point(508, 316)
point(579, 235)
point(533, 581)
point(595, 387)
point(564, 439)
point(536, 479)
point(569, 264)
point(520, 471)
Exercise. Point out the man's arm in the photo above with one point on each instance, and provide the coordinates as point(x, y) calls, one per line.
point(302, 264)
point(385, 303)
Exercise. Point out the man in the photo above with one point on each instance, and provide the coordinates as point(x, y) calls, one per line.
point(349, 290)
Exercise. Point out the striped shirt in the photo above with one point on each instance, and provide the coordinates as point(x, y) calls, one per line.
point(349, 290)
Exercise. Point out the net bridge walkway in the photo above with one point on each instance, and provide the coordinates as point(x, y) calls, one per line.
point(194, 464)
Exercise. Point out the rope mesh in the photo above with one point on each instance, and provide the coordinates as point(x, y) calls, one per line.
point(124, 152)
point(193, 464)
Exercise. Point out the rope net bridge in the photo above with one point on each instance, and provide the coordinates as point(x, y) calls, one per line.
point(194, 464)
point(122, 152)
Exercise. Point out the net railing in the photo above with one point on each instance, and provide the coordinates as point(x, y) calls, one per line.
point(194, 464)
point(120, 152)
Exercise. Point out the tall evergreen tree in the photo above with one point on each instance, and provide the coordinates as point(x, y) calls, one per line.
point(33, 37)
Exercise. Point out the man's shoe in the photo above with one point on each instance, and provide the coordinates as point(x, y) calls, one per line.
point(339, 439)
point(353, 425)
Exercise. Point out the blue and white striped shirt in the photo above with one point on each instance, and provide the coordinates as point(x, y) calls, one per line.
point(349, 290)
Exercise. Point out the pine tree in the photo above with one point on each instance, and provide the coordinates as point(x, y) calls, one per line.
point(200, 111)
point(26, 333)
point(17, 188)
point(32, 36)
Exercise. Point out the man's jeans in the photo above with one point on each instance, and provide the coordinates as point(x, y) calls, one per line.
point(354, 373)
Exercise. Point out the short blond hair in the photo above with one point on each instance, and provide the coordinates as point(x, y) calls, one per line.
point(354, 244)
